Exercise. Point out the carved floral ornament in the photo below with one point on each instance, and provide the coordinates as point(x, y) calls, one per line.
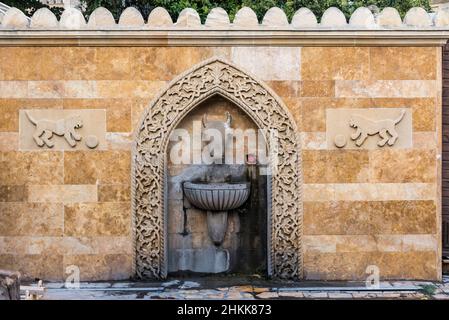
point(213, 77)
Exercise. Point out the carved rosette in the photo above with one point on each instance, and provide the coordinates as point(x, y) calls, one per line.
point(149, 157)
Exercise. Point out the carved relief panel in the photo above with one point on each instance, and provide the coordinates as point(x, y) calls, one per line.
point(374, 128)
point(55, 129)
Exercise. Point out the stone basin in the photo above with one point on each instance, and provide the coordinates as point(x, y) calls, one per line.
point(217, 196)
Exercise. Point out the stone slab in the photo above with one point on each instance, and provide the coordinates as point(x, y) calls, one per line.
point(342, 125)
point(90, 125)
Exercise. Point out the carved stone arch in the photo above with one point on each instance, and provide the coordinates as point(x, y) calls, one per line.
point(184, 93)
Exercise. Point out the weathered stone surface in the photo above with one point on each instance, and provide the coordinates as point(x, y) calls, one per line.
point(304, 17)
point(97, 219)
point(369, 191)
point(362, 17)
point(9, 285)
point(245, 17)
point(217, 17)
point(188, 18)
point(72, 18)
point(19, 168)
point(47, 267)
point(43, 18)
point(159, 17)
point(333, 17)
point(123, 89)
point(114, 193)
point(275, 17)
point(339, 166)
point(103, 167)
point(388, 63)
point(389, 17)
point(15, 19)
point(285, 62)
point(31, 219)
point(9, 141)
point(101, 18)
point(62, 193)
point(322, 63)
point(101, 267)
point(13, 193)
point(352, 266)
point(386, 89)
point(417, 17)
point(131, 17)
point(403, 166)
point(369, 217)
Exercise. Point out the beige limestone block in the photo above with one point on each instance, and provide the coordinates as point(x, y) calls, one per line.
point(96, 267)
point(119, 141)
point(245, 17)
point(18, 193)
point(13, 89)
point(43, 18)
point(333, 17)
point(97, 219)
point(101, 18)
point(385, 89)
point(353, 128)
point(159, 17)
point(441, 18)
point(389, 17)
point(127, 88)
point(402, 165)
point(131, 17)
point(425, 140)
point(14, 19)
point(269, 63)
point(304, 17)
point(20, 168)
point(66, 245)
point(46, 266)
point(45, 89)
point(362, 17)
point(79, 89)
point(62, 193)
point(335, 63)
point(417, 17)
point(114, 193)
point(9, 141)
point(72, 18)
point(99, 167)
point(31, 219)
point(188, 18)
point(88, 125)
point(217, 17)
point(275, 17)
point(313, 140)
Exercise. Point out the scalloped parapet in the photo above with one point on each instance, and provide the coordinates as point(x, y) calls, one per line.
point(275, 18)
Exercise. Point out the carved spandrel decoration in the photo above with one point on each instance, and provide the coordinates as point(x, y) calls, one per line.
point(373, 128)
point(149, 158)
point(56, 129)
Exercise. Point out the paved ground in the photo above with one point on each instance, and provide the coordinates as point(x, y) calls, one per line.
point(246, 288)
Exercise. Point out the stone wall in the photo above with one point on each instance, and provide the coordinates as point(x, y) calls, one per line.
point(361, 206)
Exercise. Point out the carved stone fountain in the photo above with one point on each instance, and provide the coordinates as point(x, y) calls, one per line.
point(217, 198)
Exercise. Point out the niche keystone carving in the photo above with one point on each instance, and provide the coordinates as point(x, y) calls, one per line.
point(57, 129)
point(369, 128)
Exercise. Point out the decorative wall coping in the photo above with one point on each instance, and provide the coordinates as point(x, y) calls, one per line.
point(363, 28)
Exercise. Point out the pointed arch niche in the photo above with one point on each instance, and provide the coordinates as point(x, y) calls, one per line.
point(257, 100)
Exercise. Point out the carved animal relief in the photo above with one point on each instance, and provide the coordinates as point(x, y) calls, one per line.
point(356, 128)
point(62, 129)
